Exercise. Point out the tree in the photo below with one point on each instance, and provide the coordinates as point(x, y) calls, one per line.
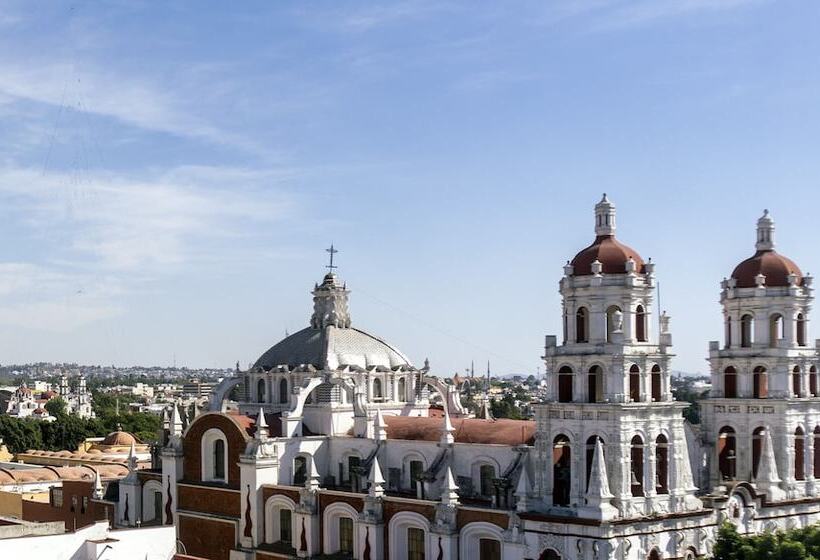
point(20, 435)
point(56, 407)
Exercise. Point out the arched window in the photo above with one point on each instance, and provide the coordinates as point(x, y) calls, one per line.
point(728, 332)
point(757, 448)
point(775, 329)
point(283, 390)
point(801, 330)
point(662, 465)
point(591, 454)
point(402, 390)
point(797, 389)
point(489, 549)
point(486, 475)
point(813, 381)
point(816, 457)
point(760, 383)
point(565, 384)
point(415, 543)
point(285, 526)
point(595, 384)
point(346, 536)
point(799, 454)
point(416, 468)
point(654, 555)
point(582, 325)
point(640, 324)
point(611, 322)
point(219, 460)
point(746, 331)
point(730, 383)
point(299, 471)
point(377, 390)
point(634, 383)
point(656, 383)
point(213, 456)
point(549, 554)
point(727, 453)
point(260, 390)
point(636, 466)
point(561, 470)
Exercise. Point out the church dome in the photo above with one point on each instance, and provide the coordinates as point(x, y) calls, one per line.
point(119, 438)
point(766, 261)
point(330, 342)
point(611, 253)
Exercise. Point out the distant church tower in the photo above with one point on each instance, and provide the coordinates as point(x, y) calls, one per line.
point(611, 439)
point(764, 380)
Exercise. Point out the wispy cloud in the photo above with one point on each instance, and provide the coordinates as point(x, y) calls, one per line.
point(125, 223)
point(136, 101)
point(618, 14)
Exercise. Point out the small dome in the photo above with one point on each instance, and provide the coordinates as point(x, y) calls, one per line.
point(766, 261)
point(771, 264)
point(611, 253)
point(119, 438)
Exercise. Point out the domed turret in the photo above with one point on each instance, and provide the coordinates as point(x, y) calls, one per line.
point(776, 269)
point(606, 255)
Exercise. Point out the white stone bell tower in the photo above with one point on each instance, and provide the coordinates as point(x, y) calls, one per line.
point(764, 379)
point(611, 440)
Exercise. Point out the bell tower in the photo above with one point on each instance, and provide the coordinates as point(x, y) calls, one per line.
point(611, 439)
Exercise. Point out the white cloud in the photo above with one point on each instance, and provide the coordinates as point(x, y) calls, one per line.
point(149, 223)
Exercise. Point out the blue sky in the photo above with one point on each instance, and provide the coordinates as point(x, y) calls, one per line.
point(171, 173)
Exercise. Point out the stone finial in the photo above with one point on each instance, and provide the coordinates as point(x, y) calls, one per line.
point(379, 426)
point(604, 217)
point(598, 488)
point(569, 270)
point(765, 232)
point(767, 479)
point(376, 480)
point(522, 491)
point(132, 458)
point(449, 492)
point(665, 318)
point(447, 434)
point(312, 482)
point(596, 267)
point(98, 487)
point(262, 432)
point(760, 280)
point(630, 265)
point(176, 422)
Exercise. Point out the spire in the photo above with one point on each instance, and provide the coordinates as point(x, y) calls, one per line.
point(330, 300)
point(312, 482)
point(132, 458)
point(98, 487)
point(176, 422)
point(379, 426)
point(765, 232)
point(767, 469)
point(598, 488)
point(604, 217)
point(376, 479)
point(449, 491)
point(447, 436)
point(262, 432)
point(522, 491)
point(598, 495)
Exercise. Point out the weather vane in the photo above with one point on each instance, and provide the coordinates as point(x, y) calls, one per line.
point(332, 252)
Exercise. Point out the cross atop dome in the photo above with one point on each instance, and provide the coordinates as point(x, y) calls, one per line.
point(604, 217)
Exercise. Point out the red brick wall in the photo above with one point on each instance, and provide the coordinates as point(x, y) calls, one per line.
point(465, 516)
point(209, 500)
point(207, 538)
point(236, 437)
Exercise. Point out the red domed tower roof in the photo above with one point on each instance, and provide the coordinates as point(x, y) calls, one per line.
point(611, 253)
point(766, 261)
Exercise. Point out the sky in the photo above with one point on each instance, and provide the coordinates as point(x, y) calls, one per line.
point(171, 173)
